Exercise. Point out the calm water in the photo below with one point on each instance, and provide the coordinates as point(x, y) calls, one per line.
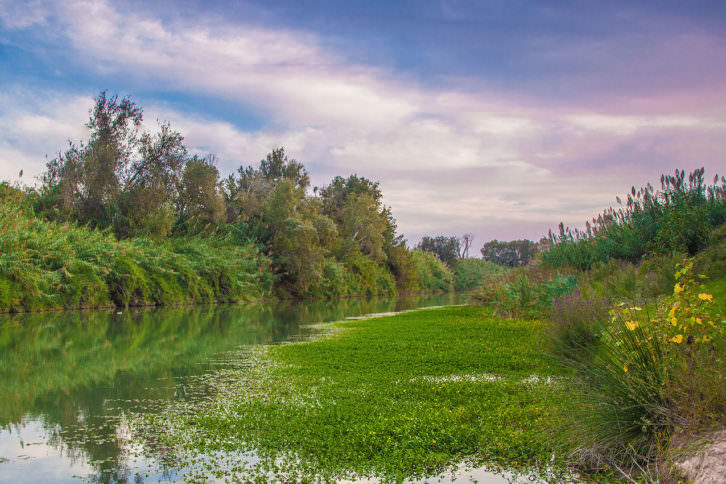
point(68, 380)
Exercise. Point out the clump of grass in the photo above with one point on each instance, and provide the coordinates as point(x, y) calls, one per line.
point(677, 218)
point(524, 292)
point(576, 324)
point(470, 273)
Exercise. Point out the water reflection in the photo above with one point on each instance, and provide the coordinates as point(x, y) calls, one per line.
point(67, 380)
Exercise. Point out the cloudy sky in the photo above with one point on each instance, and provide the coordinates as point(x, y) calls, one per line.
point(499, 118)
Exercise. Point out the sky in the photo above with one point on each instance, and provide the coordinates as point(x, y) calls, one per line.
point(497, 118)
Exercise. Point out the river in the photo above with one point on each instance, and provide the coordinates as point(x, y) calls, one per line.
point(69, 380)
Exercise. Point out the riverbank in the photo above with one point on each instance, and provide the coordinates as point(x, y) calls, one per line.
point(392, 397)
point(48, 265)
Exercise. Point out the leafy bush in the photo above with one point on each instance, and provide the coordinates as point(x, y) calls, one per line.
point(432, 274)
point(527, 291)
point(470, 273)
point(46, 265)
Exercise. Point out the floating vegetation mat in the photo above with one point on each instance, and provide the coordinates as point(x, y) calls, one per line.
point(392, 399)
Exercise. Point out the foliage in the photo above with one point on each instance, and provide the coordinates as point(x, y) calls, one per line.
point(676, 219)
point(575, 325)
point(432, 274)
point(341, 243)
point(652, 372)
point(137, 184)
point(470, 273)
point(511, 254)
point(420, 392)
point(338, 241)
point(445, 248)
point(524, 291)
point(47, 265)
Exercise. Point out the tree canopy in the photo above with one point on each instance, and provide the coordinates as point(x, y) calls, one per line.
point(338, 239)
point(512, 254)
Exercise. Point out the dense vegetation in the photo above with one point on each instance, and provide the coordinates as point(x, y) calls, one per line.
point(47, 265)
point(132, 218)
point(396, 397)
point(636, 305)
point(677, 218)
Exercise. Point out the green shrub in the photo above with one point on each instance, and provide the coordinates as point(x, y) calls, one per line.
point(471, 273)
point(652, 372)
point(524, 291)
point(613, 280)
point(45, 265)
point(432, 274)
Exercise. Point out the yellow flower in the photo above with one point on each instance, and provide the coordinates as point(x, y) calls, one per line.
point(631, 325)
point(677, 288)
point(625, 367)
point(698, 320)
point(705, 297)
point(674, 321)
point(672, 312)
point(706, 339)
point(711, 323)
point(678, 339)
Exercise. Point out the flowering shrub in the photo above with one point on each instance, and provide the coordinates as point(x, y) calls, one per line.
point(689, 320)
point(684, 321)
point(656, 369)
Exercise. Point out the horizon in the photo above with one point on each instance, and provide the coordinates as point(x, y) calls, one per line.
point(486, 119)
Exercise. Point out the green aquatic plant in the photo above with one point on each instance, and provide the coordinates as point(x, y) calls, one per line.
point(396, 397)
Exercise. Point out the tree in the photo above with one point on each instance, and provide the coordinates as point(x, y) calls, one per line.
point(276, 166)
point(291, 233)
point(511, 254)
point(114, 126)
point(247, 192)
point(465, 245)
point(153, 184)
point(337, 192)
point(199, 196)
point(445, 248)
point(364, 225)
point(86, 181)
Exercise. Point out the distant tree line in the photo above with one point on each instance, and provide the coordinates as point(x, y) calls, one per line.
point(511, 254)
point(450, 249)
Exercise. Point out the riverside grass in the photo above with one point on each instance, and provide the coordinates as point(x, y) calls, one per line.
point(47, 265)
point(394, 397)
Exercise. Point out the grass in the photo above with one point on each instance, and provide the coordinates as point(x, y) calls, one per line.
point(394, 397)
point(648, 375)
point(49, 265)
